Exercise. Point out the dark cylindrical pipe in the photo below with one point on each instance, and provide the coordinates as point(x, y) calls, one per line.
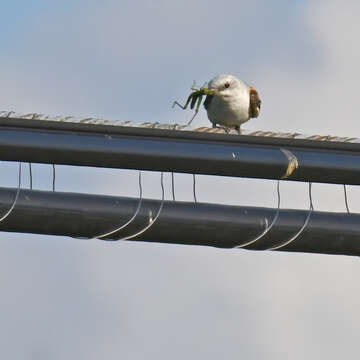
point(84, 216)
point(178, 151)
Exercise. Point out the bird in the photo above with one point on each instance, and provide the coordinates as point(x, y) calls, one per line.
point(231, 103)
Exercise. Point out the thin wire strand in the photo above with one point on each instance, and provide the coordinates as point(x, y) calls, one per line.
point(54, 177)
point(131, 219)
point(267, 228)
point(173, 185)
point(151, 221)
point(16, 196)
point(346, 200)
point(294, 237)
point(194, 188)
point(30, 177)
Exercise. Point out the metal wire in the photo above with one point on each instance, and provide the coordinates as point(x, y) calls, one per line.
point(294, 237)
point(267, 228)
point(54, 177)
point(30, 177)
point(173, 185)
point(194, 188)
point(16, 196)
point(131, 219)
point(151, 220)
point(346, 200)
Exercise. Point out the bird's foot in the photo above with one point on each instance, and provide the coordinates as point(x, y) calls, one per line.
point(225, 128)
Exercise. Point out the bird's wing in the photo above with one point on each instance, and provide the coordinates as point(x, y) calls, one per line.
point(255, 103)
point(208, 101)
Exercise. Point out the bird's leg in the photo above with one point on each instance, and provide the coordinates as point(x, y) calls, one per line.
point(237, 128)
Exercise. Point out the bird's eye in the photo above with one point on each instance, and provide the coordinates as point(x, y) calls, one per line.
point(227, 85)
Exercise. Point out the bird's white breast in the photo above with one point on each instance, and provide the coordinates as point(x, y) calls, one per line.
point(232, 109)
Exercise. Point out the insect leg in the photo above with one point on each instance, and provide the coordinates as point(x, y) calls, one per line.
point(199, 100)
point(194, 98)
point(186, 104)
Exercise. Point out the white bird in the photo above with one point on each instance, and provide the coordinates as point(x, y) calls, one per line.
point(232, 103)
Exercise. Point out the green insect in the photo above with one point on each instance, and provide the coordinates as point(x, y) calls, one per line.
point(195, 98)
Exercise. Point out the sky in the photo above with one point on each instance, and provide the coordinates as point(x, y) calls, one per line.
point(65, 298)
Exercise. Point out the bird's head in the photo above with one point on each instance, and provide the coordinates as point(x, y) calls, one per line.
point(224, 85)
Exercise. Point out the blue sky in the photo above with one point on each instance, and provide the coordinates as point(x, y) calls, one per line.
point(64, 298)
point(95, 46)
point(19, 17)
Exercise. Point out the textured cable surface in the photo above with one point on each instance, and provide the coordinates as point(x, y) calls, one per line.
point(183, 127)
